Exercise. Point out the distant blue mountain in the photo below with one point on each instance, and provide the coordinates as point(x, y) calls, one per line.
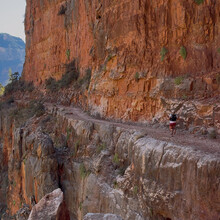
point(12, 55)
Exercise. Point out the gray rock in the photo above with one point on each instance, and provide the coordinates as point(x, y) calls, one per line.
point(99, 216)
point(48, 207)
point(212, 132)
point(23, 213)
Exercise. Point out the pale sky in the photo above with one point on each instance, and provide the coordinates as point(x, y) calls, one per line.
point(12, 17)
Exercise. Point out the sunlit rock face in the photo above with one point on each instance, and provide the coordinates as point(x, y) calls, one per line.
point(146, 56)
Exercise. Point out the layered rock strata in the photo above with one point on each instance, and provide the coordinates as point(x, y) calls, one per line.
point(105, 167)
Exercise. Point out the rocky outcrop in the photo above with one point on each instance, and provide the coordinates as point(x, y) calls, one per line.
point(29, 165)
point(144, 56)
point(106, 167)
point(49, 207)
point(125, 172)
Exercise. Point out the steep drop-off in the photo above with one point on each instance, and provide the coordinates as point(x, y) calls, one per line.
point(133, 50)
point(146, 59)
point(104, 167)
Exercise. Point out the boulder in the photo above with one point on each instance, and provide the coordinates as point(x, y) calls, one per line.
point(49, 207)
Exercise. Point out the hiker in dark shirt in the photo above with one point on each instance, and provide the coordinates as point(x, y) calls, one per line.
point(173, 118)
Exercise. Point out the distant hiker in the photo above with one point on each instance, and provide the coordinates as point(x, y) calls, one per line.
point(173, 118)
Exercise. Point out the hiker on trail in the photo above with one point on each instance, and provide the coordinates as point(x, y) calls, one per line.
point(173, 118)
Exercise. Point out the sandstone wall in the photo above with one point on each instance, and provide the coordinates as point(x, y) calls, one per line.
point(121, 42)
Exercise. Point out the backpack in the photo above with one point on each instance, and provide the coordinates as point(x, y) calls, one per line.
point(173, 117)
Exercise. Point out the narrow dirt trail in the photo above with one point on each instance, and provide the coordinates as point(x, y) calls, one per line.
point(182, 137)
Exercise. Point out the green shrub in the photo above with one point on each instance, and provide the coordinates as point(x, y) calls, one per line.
point(218, 50)
point(122, 170)
point(80, 205)
point(115, 184)
point(136, 76)
point(135, 190)
point(163, 53)
point(68, 54)
point(76, 147)
point(67, 79)
point(184, 97)
point(68, 132)
point(100, 148)
point(83, 172)
point(109, 57)
point(85, 81)
point(51, 84)
point(198, 2)
point(183, 52)
point(18, 85)
point(115, 159)
point(178, 80)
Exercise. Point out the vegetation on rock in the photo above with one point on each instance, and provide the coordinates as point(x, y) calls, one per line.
point(17, 84)
point(136, 76)
point(70, 77)
point(68, 54)
point(198, 2)
point(163, 53)
point(178, 80)
point(100, 148)
point(183, 52)
point(83, 172)
point(115, 159)
point(67, 79)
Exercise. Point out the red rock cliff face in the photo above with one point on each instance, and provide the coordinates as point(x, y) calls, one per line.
point(123, 42)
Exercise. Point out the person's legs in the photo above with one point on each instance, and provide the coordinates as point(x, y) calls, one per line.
point(173, 128)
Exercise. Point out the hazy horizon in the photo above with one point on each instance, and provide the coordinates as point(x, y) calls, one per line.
point(12, 14)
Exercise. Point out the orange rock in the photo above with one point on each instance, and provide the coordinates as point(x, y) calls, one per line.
point(121, 42)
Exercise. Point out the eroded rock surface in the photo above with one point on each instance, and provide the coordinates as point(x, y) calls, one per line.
point(49, 207)
point(107, 167)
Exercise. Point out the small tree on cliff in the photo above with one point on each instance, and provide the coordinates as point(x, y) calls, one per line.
point(13, 77)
